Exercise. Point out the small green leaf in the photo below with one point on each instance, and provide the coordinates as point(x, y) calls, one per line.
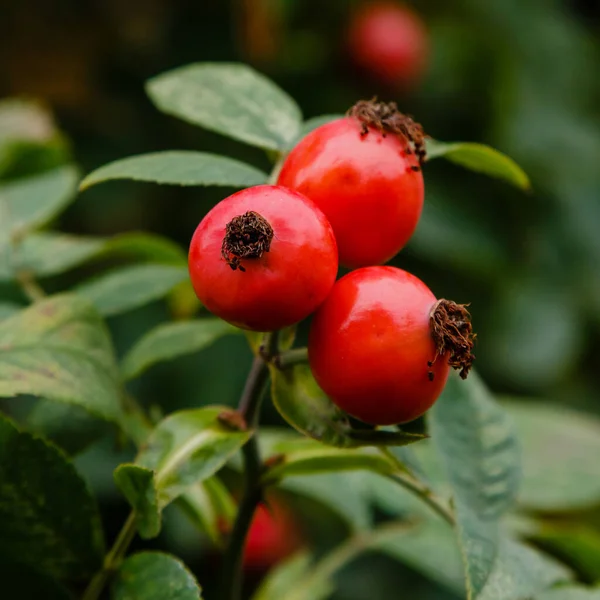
point(125, 288)
point(231, 99)
point(154, 576)
point(306, 457)
point(138, 486)
point(560, 450)
point(30, 203)
point(478, 450)
point(209, 505)
point(46, 254)
point(59, 349)
point(181, 167)
point(170, 340)
point(48, 519)
point(570, 593)
point(187, 447)
point(145, 247)
point(68, 426)
point(305, 407)
point(480, 158)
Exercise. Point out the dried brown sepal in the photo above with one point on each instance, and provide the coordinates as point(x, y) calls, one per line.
point(386, 118)
point(453, 335)
point(232, 419)
point(246, 236)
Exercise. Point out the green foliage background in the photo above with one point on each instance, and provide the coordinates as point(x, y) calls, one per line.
point(519, 76)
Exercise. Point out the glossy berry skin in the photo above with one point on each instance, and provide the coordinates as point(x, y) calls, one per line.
point(272, 537)
point(365, 185)
point(389, 42)
point(370, 344)
point(281, 287)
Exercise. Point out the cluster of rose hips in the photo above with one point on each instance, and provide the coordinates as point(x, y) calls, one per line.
point(380, 344)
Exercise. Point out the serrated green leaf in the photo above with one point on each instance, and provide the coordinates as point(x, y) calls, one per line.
point(560, 450)
point(48, 519)
point(231, 99)
point(125, 288)
point(170, 340)
point(154, 576)
point(570, 593)
point(305, 407)
point(480, 158)
point(209, 506)
point(139, 487)
point(30, 203)
point(181, 167)
point(68, 426)
point(478, 449)
point(187, 447)
point(46, 254)
point(59, 349)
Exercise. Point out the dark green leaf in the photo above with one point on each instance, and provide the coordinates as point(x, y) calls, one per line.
point(209, 505)
point(570, 593)
point(138, 486)
point(147, 247)
point(305, 407)
point(480, 158)
point(478, 449)
point(560, 450)
point(171, 340)
point(48, 520)
point(45, 254)
point(154, 576)
point(181, 167)
point(187, 447)
point(125, 288)
point(68, 426)
point(231, 99)
point(30, 203)
point(30, 582)
point(60, 349)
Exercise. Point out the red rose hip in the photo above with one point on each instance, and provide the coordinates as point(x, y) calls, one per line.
point(263, 258)
point(363, 171)
point(389, 42)
point(381, 345)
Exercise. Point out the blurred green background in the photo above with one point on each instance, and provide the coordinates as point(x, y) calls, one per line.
point(521, 76)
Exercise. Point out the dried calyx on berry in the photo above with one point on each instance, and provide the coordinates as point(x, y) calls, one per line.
point(386, 118)
point(247, 236)
point(453, 335)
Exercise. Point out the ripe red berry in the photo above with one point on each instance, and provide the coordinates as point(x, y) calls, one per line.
point(263, 258)
point(389, 42)
point(363, 172)
point(272, 537)
point(381, 345)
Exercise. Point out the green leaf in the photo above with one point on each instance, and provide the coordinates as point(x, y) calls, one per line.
point(231, 99)
point(209, 505)
point(139, 487)
point(187, 447)
point(305, 407)
point(154, 576)
point(46, 254)
point(68, 426)
point(48, 519)
point(125, 288)
point(480, 158)
point(59, 349)
point(570, 593)
point(30, 203)
point(560, 450)
point(289, 577)
point(182, 167)
point(306, 457)
point(30, 582)
point(519, 573)
point(147, 247)
point(478, 450)
point(7, 309)
point(170, 340)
